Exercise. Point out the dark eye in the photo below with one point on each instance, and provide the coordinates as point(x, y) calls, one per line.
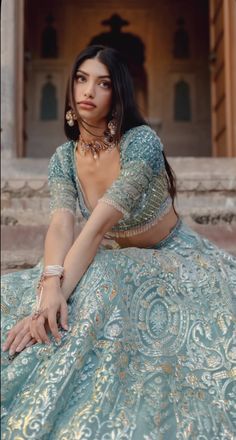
point(79, 77)
point(105, 84)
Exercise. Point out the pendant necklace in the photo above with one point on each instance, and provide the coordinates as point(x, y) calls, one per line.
point(95, 146)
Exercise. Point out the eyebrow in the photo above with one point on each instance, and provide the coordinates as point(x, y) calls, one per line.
point(87, 74)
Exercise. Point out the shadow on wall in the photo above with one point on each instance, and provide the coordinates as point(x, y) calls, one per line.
point(133, 50)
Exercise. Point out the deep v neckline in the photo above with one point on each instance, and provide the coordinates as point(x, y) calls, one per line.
point(85, 209)
point(83, 206)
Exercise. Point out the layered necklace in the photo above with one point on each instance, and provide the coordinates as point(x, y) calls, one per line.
point(107, 143)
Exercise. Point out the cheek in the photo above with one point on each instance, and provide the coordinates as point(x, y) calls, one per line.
point(75, 90)
point(107, 100)
point(78, 90)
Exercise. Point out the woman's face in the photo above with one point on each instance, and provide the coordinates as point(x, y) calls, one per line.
point(93, 84)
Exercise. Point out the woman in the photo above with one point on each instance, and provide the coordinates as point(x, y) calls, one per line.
point(131, 338)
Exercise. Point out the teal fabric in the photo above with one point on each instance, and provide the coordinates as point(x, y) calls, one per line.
point(140, 192)
point(149, 355)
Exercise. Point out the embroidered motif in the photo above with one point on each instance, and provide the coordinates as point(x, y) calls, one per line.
point(140, 192)
point(150, 351)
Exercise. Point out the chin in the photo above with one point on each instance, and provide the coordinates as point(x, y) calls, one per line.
point(94, 119)
point(87, 114)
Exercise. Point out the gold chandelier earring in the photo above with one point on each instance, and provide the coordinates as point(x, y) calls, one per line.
point(71, 118)
point(111, 129)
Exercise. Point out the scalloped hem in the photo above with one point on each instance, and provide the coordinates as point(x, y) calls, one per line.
point(115, 205)
point(140, 229)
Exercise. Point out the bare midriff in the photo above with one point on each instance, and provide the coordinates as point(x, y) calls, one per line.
point(153, 235)
point(96, 176)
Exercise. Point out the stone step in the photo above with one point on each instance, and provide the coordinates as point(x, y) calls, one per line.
point(200, 207)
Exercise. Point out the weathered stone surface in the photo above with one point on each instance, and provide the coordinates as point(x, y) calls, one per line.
point(23, 237)
point(26, 216)
point(224, 236)
point(19, 259)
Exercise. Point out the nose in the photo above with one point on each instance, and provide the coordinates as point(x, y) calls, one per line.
point(89, 91)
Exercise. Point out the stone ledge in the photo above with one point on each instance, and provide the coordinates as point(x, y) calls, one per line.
point(200, 184)
point(20, 259)
point(224, 236)
point(25, 187)
point(23, 237)
point(193, 174)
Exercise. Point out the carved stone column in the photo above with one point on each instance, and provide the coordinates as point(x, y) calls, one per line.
point(12, 63)
point(230, 64)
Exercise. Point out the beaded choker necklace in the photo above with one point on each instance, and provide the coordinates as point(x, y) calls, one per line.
point(107, 144)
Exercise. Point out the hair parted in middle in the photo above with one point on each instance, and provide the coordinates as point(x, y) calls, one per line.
point(123, 105)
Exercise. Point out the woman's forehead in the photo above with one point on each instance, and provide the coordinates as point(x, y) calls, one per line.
point(94, 67)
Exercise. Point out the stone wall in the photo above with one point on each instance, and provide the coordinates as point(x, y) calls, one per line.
point(154, 23)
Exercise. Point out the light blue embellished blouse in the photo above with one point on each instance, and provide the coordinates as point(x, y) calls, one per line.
point(140, 192)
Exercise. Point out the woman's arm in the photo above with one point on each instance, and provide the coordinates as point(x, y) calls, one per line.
point(76, 263)
point(59, 239)
point(85, 246)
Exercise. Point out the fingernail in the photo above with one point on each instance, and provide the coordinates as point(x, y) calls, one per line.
point(4, 347)
point(66, 327)
point(11, 352)
point(58, 339)
point(18, 349)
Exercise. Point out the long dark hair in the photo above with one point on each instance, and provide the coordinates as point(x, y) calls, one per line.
point(124, 104)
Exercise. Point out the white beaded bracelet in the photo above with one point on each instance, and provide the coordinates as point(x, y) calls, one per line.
point(49, 271)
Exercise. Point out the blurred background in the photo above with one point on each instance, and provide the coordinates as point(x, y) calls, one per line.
point(182, 57)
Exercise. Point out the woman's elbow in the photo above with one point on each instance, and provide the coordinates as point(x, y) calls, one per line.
point(104, 217)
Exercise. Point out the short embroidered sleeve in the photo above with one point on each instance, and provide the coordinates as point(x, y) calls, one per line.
point(141, 159)
point(63, 194)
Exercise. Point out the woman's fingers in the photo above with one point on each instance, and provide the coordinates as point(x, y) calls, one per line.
point(31, 342)
point(35, 326)
point(12, 334)
point(10, 338)
point(17, 340)
point(64, 315)
point(52, 321)
point(40, 328)
point(23, 344)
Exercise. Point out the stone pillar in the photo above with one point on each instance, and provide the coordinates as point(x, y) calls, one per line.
point(12, 64)
point(230, 73)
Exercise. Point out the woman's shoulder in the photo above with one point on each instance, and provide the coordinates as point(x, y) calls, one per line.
point(141, 134)
point(143, 144)
point(63, 157)
point(63, 153)
point(65, 149)
point(139, 130)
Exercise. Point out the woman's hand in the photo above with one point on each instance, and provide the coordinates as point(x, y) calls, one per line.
point(19, 337)
point(52, 304)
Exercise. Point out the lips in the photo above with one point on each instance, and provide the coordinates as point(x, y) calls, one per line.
point(87, 104)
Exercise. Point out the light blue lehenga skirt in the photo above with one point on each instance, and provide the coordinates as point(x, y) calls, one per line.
point(150, 352)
